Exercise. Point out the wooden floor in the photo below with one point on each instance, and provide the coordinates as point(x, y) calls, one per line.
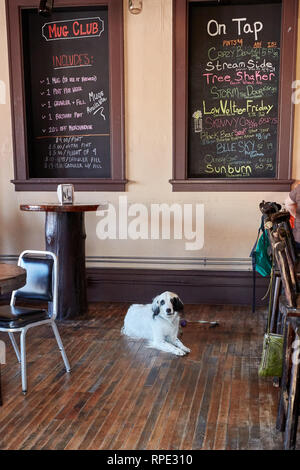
point(123, 395)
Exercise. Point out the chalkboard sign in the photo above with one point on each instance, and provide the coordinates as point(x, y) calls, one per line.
point(66, 60)
point(233, 90)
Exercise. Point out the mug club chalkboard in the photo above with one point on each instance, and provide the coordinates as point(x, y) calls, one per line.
point(233, 89)
point(66, 60)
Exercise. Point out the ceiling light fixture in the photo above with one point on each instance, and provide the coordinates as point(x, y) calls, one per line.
point(135, 6)
point(46, 7)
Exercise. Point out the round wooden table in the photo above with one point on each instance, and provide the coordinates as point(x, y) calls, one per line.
point(65, 236)
point(11, 278)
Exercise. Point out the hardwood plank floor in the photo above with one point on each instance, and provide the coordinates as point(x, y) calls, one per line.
point(123, 395)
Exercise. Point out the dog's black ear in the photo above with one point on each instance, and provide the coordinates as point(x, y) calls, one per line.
point(177, 304)
point(155, 307)
point(156, 311)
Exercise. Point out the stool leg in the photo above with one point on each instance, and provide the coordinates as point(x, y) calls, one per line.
point(287, 351)
point(284, 315)
point(293, 409)
point(275, 305)
point(279, 320)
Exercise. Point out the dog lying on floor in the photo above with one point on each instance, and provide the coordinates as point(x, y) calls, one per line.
point(158, 323)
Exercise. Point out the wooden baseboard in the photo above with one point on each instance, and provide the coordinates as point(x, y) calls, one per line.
point(193, 286)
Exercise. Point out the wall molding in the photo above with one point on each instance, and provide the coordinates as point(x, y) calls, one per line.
point(235, 263)
point(167, 261)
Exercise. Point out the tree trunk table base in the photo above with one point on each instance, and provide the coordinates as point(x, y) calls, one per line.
point(65, 236)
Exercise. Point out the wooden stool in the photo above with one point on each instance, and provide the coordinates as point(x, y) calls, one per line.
point(286, 320)
point(286, 278)
point(285, 257)
point(285, 312)
point(277, 289)
point(288, 411)
point(280, 308)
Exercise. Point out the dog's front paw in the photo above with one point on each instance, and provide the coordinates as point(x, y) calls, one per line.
point(184, 348)
point(180, 352)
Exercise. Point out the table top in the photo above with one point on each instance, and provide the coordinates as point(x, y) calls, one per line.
point(12, 277)
point(61, 208)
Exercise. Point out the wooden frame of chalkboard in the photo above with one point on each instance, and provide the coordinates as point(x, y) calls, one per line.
point(181, 180)
point(23, 127)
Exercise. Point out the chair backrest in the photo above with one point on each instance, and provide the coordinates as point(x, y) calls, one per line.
point(286, 266)
point(41, 278)
point(272, 213)
point(282, 220)
point(277, 224)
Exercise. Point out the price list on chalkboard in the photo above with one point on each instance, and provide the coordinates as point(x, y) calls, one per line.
point(234, 74)
point(67, 90)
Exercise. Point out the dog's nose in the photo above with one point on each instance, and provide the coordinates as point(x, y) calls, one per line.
point(168, 310)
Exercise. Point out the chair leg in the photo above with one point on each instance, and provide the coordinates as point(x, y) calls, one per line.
point(15, 346)
point(61, 347)
point(283, 314)
point(287, 352)
point(23, 362)
point(275, 305)
point(293, 409)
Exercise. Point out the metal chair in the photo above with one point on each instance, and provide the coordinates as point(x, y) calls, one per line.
point(41, 285)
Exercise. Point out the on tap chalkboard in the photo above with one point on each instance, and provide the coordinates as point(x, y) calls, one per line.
point(67, 93)
point(233, 90)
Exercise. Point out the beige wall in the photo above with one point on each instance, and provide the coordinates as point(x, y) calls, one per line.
point(231, 219)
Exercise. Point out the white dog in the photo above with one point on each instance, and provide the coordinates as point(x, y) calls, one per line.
point(157, 322)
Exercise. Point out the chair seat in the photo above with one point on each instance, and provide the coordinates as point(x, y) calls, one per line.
point(18, 317)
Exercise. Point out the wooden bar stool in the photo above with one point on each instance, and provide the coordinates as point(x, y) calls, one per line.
point(285, 274)
point(288, 411)
point(289, 302)
point(271, 210)
point(285, 318)
point(288, 323)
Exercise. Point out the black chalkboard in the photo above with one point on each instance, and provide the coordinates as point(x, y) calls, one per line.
point(233, 88)
point(66, 64)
